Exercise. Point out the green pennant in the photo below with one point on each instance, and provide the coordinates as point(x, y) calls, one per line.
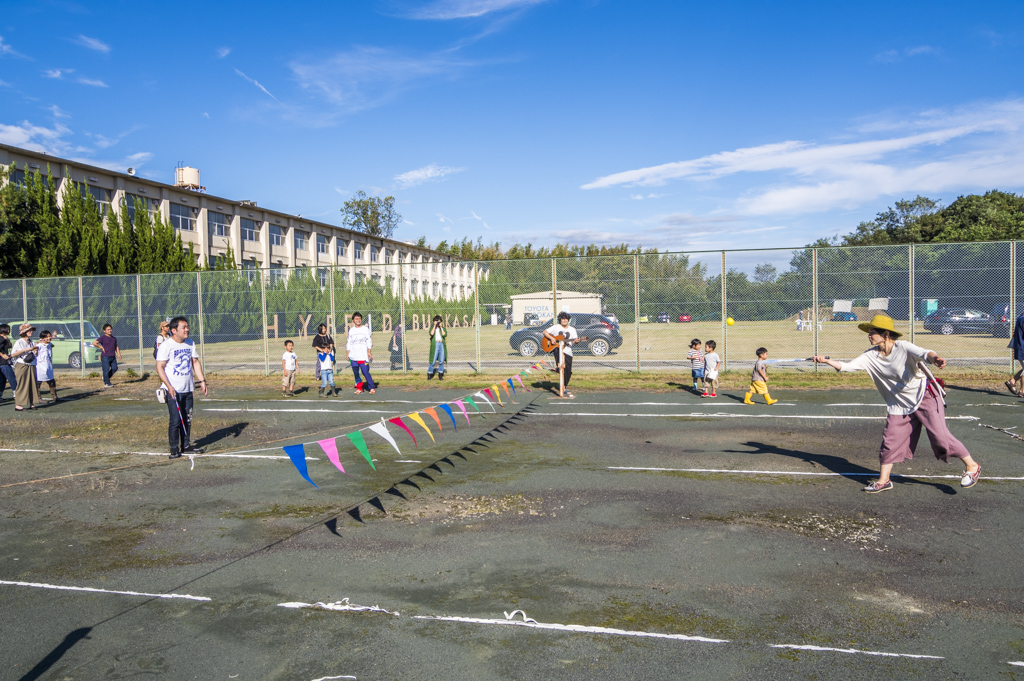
point(473, 402)
point(360, 443)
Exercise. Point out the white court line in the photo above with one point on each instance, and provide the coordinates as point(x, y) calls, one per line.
point(328, 678)
point(1016, 664)
point(343, 604)
point(754, 472)
point(669, 404)
point(104, 591)
point(240, 455)
point(578, 628)
point(854, 650)
point(742, 416)
point(247, 410)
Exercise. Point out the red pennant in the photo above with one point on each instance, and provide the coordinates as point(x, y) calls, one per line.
point(398, 422)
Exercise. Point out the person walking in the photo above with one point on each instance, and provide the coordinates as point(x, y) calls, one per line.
point(44, 365)
point(163, 334)
point(438, 348)
point(6, 367)
point(110, 355)
point(913, 399)
point(398, 350)
point(177, 364)
point(26, 395)
point(322, 344)
point(1016, 384)
point(359, 349)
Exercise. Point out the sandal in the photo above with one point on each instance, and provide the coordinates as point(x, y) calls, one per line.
point(373, 391)
point(19, 409)
point(1011, 387)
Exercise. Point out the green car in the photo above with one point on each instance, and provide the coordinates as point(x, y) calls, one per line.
point(67, 343)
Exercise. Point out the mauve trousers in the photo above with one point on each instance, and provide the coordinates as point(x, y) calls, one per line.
point(901, 434)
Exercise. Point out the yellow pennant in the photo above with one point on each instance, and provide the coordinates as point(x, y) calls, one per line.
point(497, 394)
point(419, 420)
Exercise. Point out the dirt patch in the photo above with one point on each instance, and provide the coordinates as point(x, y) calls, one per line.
point(453, 508)
point(866, 530)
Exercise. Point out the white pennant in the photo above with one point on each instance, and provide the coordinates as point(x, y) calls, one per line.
point(382, 430)
point(484, 398)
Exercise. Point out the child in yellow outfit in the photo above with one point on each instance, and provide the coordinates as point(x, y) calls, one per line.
point(759, 379)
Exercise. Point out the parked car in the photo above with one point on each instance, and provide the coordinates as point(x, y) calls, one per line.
point(68, 345)
point(611, 316)
point(603, 335)
point(844, 317)
point(683, 318)
point(1001, 321)
point(531, 319)
point(663, 318)
point(950, 320)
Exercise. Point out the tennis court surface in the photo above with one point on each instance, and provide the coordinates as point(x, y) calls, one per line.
point(617, 535)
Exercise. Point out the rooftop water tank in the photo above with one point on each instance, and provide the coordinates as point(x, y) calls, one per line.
point(185, 176)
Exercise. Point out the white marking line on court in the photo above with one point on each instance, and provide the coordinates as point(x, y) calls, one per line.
point(343, 604)
point(752, 472)
point(1016, 664)
point(578, 628)
point(406, 461)
point(240, 455)
point(855, 651)
point(667, 404)
point(331, 411)
point(104, 591)
point(742, 416)
point(294, 400)
point(328, 678)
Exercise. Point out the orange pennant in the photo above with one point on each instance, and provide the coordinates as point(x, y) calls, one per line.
point(433, 414)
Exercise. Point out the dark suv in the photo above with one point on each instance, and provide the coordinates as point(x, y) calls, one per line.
point(1000, 323)
point(603, 334)
point(950, 320)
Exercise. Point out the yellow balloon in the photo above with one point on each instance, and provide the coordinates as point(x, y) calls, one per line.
point(730, 321)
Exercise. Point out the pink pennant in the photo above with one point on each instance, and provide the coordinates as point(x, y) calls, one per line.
point(520, 379)
point(462, 406)
point(490, 394)
point(398, 422)
point(330, 448)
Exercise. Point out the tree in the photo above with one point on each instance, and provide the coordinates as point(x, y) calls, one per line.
point(765, 273)
point(371, 215)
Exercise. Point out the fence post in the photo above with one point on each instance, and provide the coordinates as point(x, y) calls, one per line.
point(401, 315)
point(636, 307)
point(1012, 315)
point(476, 311)
point(138, 310)
point(554, 291)
point(913, 305)
point(24, 297)
point(81, 324)
point(199, 298)
point(266, 346)
point(725, 315)
point(814, 294)
point(334, 316)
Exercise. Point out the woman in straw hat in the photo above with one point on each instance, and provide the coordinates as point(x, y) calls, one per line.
point(913, 399)
point(24, 356)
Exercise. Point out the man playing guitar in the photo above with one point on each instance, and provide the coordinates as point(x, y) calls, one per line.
point(560, 339)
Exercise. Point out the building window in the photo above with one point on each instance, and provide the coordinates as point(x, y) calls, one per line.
point(376, 278)
point(250, 232)
point(130, 201)
point(433, 266)
point(341, 248)
point(360, 277)
point(99, 195)
point(277, 272)
point(218, 223)
point(321, 244)
point(358, 251)
point(387, 257)
point(301, 241)
point(435, 289)
point(325, 277)
point(444, 268)
point(444, 290)
point(17, 178)
point(401, 257)
point(344, 276)
point(423, 262)
point(412, 287)
point(276, 236)
point(250, 267)
point(373, 253)
point(462, 292)
point(181, 218)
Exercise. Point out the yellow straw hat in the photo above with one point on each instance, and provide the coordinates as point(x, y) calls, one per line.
point(882, 322)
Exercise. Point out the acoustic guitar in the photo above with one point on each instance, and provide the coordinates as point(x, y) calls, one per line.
point(550, 346)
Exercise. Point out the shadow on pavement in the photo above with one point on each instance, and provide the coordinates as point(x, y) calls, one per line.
point(54, 655)
point(222, 433)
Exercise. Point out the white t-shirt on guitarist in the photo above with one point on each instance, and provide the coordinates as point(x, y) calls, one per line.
point(569, 333)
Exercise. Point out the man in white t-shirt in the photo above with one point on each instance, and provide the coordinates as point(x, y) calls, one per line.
point(359, 348)
point(914, 401)
point(569, 337)
point(176, 361)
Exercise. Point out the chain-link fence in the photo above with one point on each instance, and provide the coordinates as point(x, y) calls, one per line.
point(638, 312)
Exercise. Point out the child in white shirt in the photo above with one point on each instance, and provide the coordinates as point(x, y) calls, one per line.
point(289, 368)
point(711, 363)
point(44, 364)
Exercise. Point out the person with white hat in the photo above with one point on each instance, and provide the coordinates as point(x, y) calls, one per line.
point(913, 398)
point(24, 356)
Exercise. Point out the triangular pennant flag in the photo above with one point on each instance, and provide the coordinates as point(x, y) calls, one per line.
point(297, 453)
point(330, 448)
point(506, 389)
point(360, 443)
point(513, 386)
point(523, 385)
point(448, 410)
point(462, 406)
point(382, 430)
point(398, 422)
point(355, 514)
point(418, 419)
point(473, 403)
point(433, 414)
point(484, 398)
point(375, 502)
point(497, 394)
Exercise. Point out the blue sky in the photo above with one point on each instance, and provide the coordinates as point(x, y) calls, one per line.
point(677, 125)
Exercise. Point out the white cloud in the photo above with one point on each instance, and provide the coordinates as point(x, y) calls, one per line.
point(257, 84)
point(92, 82)
point(36, 137)
point(56, 140)
point(92, 44)
point(443, 218)
point(463, 9)
point(890, 56)
point(409, 222)
point(7, 50)
point(57, 74)
point(206, 115)
point(365, 77)
point(479, 219)
point(975, 146)
point(428, 173)
point(223, 52)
